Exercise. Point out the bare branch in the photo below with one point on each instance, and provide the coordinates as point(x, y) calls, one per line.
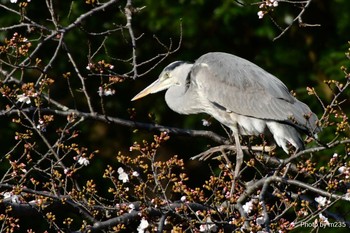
point(298, 18)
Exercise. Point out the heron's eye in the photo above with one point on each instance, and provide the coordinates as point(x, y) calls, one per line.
point(166, 75)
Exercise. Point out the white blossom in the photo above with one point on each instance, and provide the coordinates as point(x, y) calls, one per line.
point(342, 169)
point(248, 206)
point(33, 202)
point(143, 226)
point(274, 3)
point(23, 98)
point(109, 91)
point(123, 176)
point(260, 220)
point(41, 126)
point(261, 14)
point(7, 195)
point(88, 67)
point(131, 207)
point(265, 5)
point(209, 226)
point(135, 173)
point(13, 1)
point(183, 198)
point(304, 212)
point(205, 122)
point(271, 3)
point(347, 196)
point(10, 196)
point(323, 219)
point(100, 91)
point(105, 92)
point(292, 225)
point(83, 161)
point(322, 201)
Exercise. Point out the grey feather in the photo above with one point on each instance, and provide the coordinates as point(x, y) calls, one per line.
point(237, 93)
point(250, 90)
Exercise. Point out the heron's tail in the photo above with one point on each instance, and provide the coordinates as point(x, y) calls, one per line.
point(284, 134)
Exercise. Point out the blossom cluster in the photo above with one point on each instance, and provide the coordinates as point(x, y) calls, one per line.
point(15, 1)
point(265, 6)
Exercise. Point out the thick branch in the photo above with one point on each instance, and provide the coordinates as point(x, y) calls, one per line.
point(59, 199)
point(133, 124)
point(135, 214)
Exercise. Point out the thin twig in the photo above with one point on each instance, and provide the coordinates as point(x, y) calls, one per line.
point(82, 79)
point(128, 13)
point(297, 18)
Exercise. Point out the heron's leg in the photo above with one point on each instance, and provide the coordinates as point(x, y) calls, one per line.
point(239, 161)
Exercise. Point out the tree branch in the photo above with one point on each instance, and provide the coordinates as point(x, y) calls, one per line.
point(132, 124)
point(298, 18)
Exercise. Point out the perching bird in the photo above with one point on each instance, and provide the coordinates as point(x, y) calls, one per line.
point(240, 95)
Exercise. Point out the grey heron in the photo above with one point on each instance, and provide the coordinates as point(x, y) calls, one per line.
point(240, 95)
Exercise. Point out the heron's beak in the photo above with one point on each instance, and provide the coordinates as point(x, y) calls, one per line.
point(155, 87)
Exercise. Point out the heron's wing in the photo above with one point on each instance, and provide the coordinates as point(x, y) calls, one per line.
point(242, 87)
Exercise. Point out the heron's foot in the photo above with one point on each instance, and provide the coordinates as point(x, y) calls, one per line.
point(212, 151)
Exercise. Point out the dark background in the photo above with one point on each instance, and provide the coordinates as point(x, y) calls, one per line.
point(302, 57)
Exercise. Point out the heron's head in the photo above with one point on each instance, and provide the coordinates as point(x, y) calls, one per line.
point(169, 77)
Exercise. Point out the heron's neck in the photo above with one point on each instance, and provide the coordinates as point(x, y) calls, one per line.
point(183, 98)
